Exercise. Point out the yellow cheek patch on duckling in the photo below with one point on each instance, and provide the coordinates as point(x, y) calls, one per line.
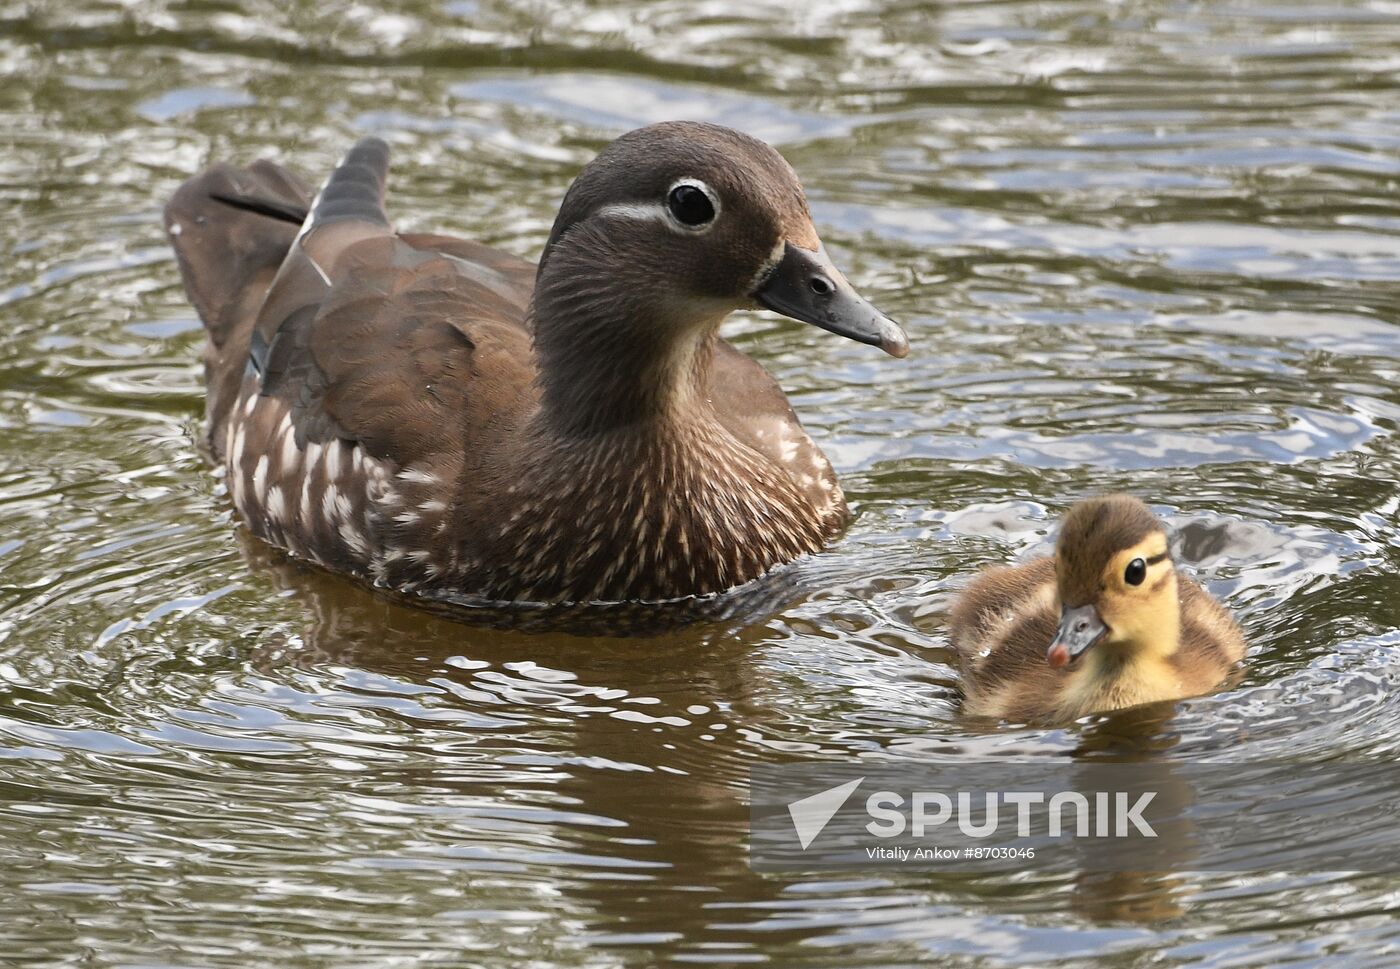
point(1145, 615)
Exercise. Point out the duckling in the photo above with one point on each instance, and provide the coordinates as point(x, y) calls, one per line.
point(442, 418)
point(1107, 623)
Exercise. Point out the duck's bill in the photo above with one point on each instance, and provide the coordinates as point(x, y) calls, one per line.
point(1080, 628)
point(807, 287)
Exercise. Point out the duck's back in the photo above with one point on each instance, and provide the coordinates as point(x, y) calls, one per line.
point(280, 303)
point(345, 363)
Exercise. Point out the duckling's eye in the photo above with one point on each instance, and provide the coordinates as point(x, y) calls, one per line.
point(690, 205)
point(1135, 572)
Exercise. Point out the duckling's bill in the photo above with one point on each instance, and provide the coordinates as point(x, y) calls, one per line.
point(1080, 628)
point(807, 287)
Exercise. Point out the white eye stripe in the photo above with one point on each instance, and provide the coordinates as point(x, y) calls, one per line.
point(647, 212)
point(637, 211)
point(661, 211)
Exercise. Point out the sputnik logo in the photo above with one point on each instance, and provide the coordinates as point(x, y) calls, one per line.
point(811, 814)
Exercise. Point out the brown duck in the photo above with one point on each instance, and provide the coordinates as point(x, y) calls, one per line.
point(437, 416)
point(1106, 623)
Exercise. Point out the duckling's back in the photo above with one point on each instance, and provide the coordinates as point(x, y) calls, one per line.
point(999, 628)
point(1211, 640)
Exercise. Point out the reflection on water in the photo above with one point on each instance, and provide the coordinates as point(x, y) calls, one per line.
point(1150, 247)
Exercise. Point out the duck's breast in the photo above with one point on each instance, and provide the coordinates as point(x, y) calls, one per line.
point(753, 408)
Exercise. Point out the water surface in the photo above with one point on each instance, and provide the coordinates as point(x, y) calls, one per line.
point(1150, 246)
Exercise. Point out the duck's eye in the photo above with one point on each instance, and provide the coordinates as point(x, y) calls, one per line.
point(690, 205)
point(1135, 572)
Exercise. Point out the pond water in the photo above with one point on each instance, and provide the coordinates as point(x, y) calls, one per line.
point(1148, 246)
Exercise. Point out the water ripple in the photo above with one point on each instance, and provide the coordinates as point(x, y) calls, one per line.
point(1152, 249)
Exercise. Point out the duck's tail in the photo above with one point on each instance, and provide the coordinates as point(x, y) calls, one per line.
point(230, 225)
point(355, 190)
point(231, 228)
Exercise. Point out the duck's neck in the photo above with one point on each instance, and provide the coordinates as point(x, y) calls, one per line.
point(627, 485)
point(614, 354)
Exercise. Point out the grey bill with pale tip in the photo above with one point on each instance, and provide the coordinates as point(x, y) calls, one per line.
point(1080, 628)
point(805, 286)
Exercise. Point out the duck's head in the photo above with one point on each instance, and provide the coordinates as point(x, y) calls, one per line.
point(1117, 583)
point(676, 225)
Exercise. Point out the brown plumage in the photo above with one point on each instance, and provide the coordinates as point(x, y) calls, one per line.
point(1106, 623)
point(437, 416)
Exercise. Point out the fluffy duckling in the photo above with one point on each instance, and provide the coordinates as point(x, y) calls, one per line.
point(1106, 623)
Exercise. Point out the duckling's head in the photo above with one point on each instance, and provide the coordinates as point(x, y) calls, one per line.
point(675, 225)
point(1117, 582)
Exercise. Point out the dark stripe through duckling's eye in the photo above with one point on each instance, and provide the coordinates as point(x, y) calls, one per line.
point(690, 205)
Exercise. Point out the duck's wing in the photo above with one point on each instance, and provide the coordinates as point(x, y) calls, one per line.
point(1000, 627)
point(382, 343)
point(367, 336)
point(371, 364)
